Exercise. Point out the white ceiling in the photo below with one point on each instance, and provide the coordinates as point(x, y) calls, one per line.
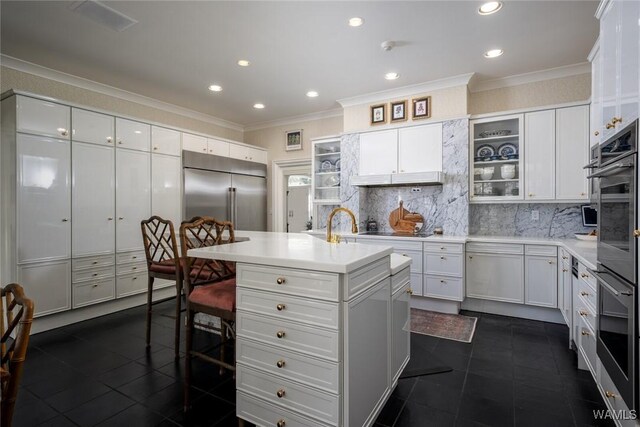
point(179, 48)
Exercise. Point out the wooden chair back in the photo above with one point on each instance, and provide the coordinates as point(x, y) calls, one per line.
point(201, 233)
point(16, 315)
point(159, 238)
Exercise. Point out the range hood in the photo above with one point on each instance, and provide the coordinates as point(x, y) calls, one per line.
point(421, 178)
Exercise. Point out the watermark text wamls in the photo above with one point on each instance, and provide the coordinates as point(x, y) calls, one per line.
point(620, 414)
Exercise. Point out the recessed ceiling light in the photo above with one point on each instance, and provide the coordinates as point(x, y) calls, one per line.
point(215, 88)
point(258, 106)
point(356, 21)
point(493, 53)
point(391, 76)
point(312, 94)
point(243, 63)
point(490, 7)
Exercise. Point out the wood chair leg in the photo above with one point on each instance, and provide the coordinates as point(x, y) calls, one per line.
point(149, 308)
point(223, 343)
point(187, 360)
point(176, 342)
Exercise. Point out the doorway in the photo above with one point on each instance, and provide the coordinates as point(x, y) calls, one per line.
point(298, 203)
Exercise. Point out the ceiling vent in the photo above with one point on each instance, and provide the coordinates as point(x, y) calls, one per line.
point(103, 14)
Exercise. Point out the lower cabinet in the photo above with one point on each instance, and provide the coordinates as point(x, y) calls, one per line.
point(400, 331)
point(612, 397)
point(541, 281)
point(564, 293)
point(48, 284)
point(498, 277)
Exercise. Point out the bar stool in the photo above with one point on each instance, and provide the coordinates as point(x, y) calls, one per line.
point(163, 262)
point(210, 288)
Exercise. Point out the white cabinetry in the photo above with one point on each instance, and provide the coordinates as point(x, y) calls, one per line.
point(541, 276)
point(44, 118)
point(93, 199)
point(444, 271)
point(219, 148)
point(133, 135)
point(565, 289)
point(92, 127)
point(400, 328)
point(420, 148)
point(595, 122)
point(496, 272)
point(243, 152)
point(572, 153)
point(48, 285)
point(166, 185)
point(540, 144)
point(165, 141)
point(194, 143)
point(379, 153)
point(133, 176)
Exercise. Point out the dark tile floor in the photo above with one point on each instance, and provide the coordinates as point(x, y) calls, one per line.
point(516, 372)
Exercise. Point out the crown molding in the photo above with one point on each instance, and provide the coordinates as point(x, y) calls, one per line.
point(336, 112)
point(61, 77)
point(594, 50)
point(404, 91)
point(535, 76)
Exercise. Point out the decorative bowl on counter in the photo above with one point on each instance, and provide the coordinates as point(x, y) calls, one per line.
point(586, 237)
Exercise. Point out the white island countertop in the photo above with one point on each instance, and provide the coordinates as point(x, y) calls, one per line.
point(295, 250)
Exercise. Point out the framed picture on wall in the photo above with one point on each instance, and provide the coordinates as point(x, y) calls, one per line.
point(399, 111)
point(378, 114)
point(294, 140)
point(421, 108)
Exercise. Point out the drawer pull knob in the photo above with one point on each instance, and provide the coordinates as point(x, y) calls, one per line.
point(94, 274)
point(280, 334)
point(470, 257)
point(564, 257)
point(280, 280)
point(442, 257)
point(133, 278)
point(109, 139)
point(610, 394)
point(110, 218)
point(583, 313)
point(405, 255)
point(280, 423)
point(585, 333)
point(584, 294)
point(564, 270)
point(442, 248)
point(95, 285)
point(281, 307)
point(443, 281)
point(596, 133)
point(410, 291)
point(280, 363)
point(280, 393)
point(94, 262)
point(550, 262)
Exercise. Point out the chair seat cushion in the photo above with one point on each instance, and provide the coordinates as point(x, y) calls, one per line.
point(167, 266)
point(221, 295)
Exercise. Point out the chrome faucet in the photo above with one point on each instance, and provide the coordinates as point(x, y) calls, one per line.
point(336, 238)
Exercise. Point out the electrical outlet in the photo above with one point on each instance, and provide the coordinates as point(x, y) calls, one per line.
point(416, 190)
point(535, 215)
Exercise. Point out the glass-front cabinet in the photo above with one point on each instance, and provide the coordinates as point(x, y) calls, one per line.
point(326, 170)
point(496, 173)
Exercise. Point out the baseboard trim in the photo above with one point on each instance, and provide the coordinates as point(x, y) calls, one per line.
point(431, 304)
point(542, 314)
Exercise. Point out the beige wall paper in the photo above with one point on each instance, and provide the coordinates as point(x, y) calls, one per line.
point(530, 95)
point(13, 79)
point(273, 139)
point(445, 104)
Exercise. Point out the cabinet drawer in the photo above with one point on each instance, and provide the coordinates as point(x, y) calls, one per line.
point(305, 283)
point(416, 259)
point(585, 313)
point(444, 265)
point(541, 250)
point(261, 413)
point(93, 292)
point(586, 275)
point(443, 287)
point(611, 395)
point(130, 285)
point(495, 248)
point(587, 294)
point(92, 262)
point(92, 273)
point(288, 335)
point(400, 279)
point(452, 248)
point(565, 256)
point(307, 370)
point(587, 345)
point(315, 403)
point(134, 256)
point(140, 268)
point(313, 312)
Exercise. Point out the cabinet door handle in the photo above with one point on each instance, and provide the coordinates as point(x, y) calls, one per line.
point(280, 334)
point(610, 125)
point(110, 218)
point(155, 148)
point(280, 393)
point(585, 333)
point(442, 257)
point(443, 281)
point(610, 394)
point(280, 307)
point(410, 291)
point(281, 423)
point(564, 257)
point(550, 262)
point(530, 194)
point(280, 280)
point(280, 363)
point(442, 248)
point(120, 142)
point(584, 294)
point(94, 262)
point(596, 133)
point(94, 274)
point(583, 313)
point(616, 120)
point(65, 219)
point(564, 270)
point(109, 140)
point(63, 131)
point(470, 257)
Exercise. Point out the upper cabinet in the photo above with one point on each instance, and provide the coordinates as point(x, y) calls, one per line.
point(572, 153)
point(92, 127)
point(540, 144)
point(243, 152)
point(165, 141)
point(194, 143)
point(411, 155)
point(619, 64)
point(326, 170)
point(45, 118)
point(218, 148)
point(200, 144)
point(595, 122)
point(133, 135)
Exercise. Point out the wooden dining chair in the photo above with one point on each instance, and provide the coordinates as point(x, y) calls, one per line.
point(163, 262)
point(211, 289)
point(16, 315)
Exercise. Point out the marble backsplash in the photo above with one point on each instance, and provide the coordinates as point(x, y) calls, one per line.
point(555, 220)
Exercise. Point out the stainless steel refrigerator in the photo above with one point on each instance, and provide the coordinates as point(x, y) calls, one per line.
point(227, 189)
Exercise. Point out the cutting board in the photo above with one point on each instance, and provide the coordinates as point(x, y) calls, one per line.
point(403, 221)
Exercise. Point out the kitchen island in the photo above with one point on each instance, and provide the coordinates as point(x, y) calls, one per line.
point(321, 328)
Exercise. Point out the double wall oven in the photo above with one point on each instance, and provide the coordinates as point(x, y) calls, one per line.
point(617, 177)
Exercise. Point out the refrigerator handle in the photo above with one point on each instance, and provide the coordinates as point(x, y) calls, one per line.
point(230, 205)
point(234, 206)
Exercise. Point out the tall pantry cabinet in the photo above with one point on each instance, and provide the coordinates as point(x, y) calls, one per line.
point(75, 185)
